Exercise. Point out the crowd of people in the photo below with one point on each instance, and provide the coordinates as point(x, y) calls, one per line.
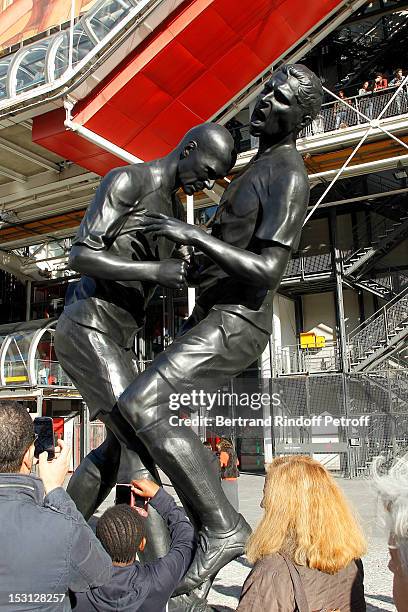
point(364, 102)
point(306, 551)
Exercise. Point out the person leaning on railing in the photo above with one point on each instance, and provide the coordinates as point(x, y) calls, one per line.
point(400, 98)
point(366, 105)
point(341, 111)
point(380, 82)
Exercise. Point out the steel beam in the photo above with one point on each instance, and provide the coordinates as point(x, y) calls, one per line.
point(44, 183)
point(6, 145)
point(16, 176)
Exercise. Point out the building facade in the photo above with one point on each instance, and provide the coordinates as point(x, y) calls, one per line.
point(120, 82)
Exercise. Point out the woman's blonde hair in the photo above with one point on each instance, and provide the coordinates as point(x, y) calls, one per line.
point(306, 517)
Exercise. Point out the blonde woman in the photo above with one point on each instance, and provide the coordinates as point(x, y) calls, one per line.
point(393, 490)
point(308, 545)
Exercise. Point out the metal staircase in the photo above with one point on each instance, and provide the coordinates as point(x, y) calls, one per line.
point(374, 241)
point(385, 332)
point(363, 44)
point(395, 382)
point(384, 286)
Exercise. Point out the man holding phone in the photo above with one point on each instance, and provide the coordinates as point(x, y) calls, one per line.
point(121, 530)
point(35, 514)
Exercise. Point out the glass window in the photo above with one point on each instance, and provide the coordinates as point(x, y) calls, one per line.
point(203, 215)
point(48, 372)
point(108, 16)
point(31, 70)
point(16, 359)
point(59, 57)
point(82, 44)
point(4, 66)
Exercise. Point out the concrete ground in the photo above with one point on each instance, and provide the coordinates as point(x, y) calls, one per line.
point(378, 579)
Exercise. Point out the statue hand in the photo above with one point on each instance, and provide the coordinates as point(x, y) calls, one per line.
point(168, 227)
point(172, 273)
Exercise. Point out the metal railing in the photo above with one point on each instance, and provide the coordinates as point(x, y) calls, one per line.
point(395, 381)
point(335, 116)
point(305, 264)
point(378, 330)
point(293, 359)
point(394, 280)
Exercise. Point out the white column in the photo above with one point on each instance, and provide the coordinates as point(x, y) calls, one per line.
point(190, 219)
point(28, 301)
point(254, 139)
point(276, 329)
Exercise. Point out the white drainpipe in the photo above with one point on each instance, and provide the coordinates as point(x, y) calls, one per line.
point(95, 138)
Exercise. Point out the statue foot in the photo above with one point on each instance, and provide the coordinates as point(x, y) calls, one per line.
point(214, 550)
point(189, 602)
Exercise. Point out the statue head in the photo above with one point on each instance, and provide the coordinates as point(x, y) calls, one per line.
point(289, 101)
point(205, 154)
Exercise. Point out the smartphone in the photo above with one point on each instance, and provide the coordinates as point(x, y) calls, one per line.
point(125, 495)
point(43, 427)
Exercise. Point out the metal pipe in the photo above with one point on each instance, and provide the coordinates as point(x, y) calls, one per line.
point(95, 138)
point(71, 37)
point(28, 301)
point(365, 168)
point(337, 175)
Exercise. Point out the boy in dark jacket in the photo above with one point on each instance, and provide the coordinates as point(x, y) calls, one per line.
point(145, 588)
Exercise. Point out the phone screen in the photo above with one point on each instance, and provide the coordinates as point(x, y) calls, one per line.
point(125, 495)
point(43, 427)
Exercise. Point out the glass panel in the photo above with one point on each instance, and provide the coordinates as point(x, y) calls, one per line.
point(48, 371)
point(16, 359)
point(82, 44)
point(61, 56)
point(31, 70)
point(107, 16)
point(4, 66)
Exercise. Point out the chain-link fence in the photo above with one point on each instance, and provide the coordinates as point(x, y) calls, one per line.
point(342, 420)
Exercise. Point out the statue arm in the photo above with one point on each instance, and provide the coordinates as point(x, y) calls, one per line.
point(114, 201)
point(264, 269)
point(102, 264)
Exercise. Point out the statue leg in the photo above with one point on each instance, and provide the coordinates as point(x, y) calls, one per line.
point(94, 478)
point(222, 345)
point(101, 370)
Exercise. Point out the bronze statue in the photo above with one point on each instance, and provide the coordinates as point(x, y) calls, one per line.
point(121, 267)
point(256, 228)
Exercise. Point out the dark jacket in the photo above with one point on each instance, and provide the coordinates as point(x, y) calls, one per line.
point(269, 588)
point(146, 588)
point(46, 546)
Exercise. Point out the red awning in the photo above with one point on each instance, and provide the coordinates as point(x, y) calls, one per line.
point(185, 72)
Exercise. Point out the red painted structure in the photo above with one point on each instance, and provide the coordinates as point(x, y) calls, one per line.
point(187, 70)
